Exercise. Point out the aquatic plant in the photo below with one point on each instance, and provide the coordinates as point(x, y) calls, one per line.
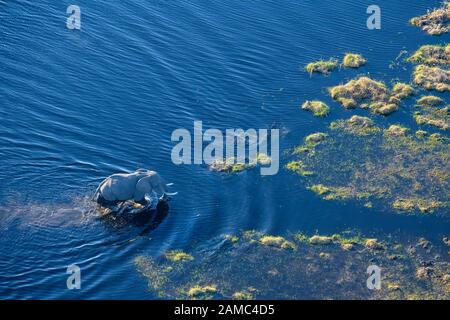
point(432, 78)
point(367, 93)
point(322, 66)
point(251, 234)
point(242, 295)
point(278, 242)
point(318, 108)
point(310, 142)
point(238, 167)
point(347, 246)
point(421, 134)
point(353, 60)
point(396, 130)
point(430, 101)
point(299, 168)
point(178, 256)
point(316, 239)
point(314, 139)
point(431, 55)
point(434, 22)
point(249, 270)
point(356, 125)
point(356, 91)
point(439, 118)
point(391, 168)
point(431, 114)
point(232, 239)
point(301, 237)
point(411, 204)
point(202, 292)
point(400, 91)
point(319, 189)
point(225, 165)
point(154, 272)
point(231, 165)
point(446, 241)
point(263, 159)
point(373, 244)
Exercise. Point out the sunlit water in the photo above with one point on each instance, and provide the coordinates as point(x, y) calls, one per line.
point(77, 106)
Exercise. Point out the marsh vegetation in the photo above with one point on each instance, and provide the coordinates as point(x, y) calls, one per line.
point(434, 22)
point(358, 160)
point(393, 167)
point(260, 266)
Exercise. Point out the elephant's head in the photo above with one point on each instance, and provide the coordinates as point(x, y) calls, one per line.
point(151, 183)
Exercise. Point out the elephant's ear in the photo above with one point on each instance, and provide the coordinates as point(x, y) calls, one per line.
point(142, 187)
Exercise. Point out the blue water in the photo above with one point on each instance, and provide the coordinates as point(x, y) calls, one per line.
point(77, 106)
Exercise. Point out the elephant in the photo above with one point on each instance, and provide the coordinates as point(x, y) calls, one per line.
point(138, 186)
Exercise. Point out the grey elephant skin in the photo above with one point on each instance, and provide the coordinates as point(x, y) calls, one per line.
point(137, 186)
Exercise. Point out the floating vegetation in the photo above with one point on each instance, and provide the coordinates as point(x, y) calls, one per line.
point(320, 189)
point(250, 269)
point(357, 125)
point(430, 101)
point(299, 168)
point(322, 66)
point(178, 256)
point(373, 244)
point(439, 118)
point(356, 161)
point(370, 94)
point(401, 91)
point(316, 239)
point(434, 22)
point(431, 55)
point(432, 78)
point(154, 271)
point(202, 292)
point(431, 114)
point(392, 167)
point(310, 142)
point(278, 242)
point(318, 108)
point(353, 60)
point(411, 204)
point(421, 134)
point(242, 295)
point(263, 159)
point(232, 239)
point(396, 130)
point(446, 241)
point(231, 165)
point(314, 139)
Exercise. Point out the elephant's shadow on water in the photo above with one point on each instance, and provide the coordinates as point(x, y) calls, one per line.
point(148, 219)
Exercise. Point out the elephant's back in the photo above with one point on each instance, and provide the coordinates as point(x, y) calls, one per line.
point(118, 187)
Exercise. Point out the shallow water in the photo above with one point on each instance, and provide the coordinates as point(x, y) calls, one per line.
point(77, 106)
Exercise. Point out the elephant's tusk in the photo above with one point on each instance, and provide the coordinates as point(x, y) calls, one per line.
point(148, 198)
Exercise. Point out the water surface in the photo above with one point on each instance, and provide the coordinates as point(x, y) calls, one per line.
point(77, 106)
